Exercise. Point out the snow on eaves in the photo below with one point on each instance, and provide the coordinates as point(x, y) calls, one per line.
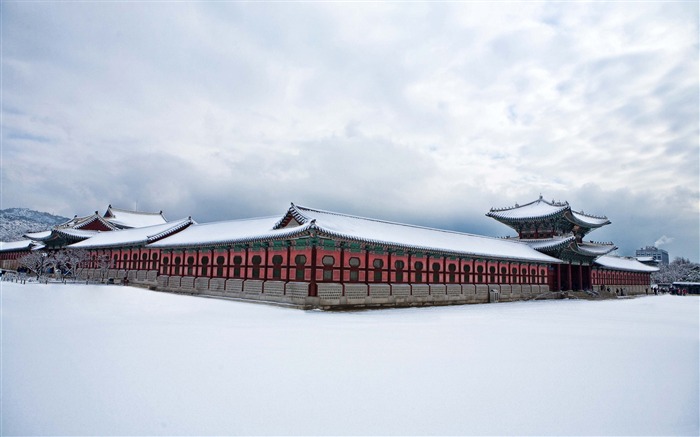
point(552, 243)
point(43, 235)
point(8, 246)
point(619, 263)
point(590, 220)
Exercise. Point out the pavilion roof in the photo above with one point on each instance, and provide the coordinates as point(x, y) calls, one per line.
point(124, 218)
point(81, 222)
point(541, 209)
point(538, 209)
point(133, 236)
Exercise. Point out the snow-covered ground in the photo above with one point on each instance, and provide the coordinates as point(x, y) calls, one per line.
point(100, 360)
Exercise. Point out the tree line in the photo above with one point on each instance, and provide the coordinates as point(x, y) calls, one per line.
point(64, 264)
point(679, 270)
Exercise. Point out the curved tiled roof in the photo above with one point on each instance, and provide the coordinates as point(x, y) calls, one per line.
point(77, 233)
point(412, 237)
point(81, 222)
point(9, 246)
point(38, 236)
point(350, 228)
point(539, 209)
point(590, 221)
point(618, 263)
point(134, 236)
point(548, 244)
point(595, 249)
point(230, 232)
point(124, 218)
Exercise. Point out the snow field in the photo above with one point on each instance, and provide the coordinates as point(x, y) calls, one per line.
point(110, 360)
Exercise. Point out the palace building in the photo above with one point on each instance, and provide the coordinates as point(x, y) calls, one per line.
point(320, 259)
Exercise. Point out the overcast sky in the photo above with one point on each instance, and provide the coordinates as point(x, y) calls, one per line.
point(415, 112)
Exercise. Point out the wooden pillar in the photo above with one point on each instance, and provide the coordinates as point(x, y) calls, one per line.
point(312, 286)
point(388, 267)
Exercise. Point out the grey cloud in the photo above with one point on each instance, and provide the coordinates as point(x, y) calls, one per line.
point(225, 110)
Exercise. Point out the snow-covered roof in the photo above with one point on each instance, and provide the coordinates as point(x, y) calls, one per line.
point(413, 237)
point(540, 208)
point(77, 233)
point(619, 263)
point(133, 219)
point(645, 259)
point(324, 223)
point(595, 249)
point(590, 221)
point(229, 232)
point(38, 235)
point(7, 246)
point(134, 236)
point(81, 222)
point(552, 243)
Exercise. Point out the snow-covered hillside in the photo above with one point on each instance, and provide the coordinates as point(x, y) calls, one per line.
point(14, 222)
point(106, 360)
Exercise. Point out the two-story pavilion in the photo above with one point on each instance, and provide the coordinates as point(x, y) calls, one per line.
point(557, 230)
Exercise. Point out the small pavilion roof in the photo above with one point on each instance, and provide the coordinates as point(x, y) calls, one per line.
point(82, 222)
point(124, 218)
point(133, 236)
point(538, 209)
point(541, 210)
point(627, 264)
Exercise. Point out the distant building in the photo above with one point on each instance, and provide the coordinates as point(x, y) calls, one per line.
point(659, 256)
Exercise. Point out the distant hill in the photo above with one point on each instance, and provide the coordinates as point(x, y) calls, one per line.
point(17, 221)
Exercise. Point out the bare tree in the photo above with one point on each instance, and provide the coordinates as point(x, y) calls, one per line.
point(679, 270)
point(56, 261)
point(36, 262)
point(103, 263)
point(75, 258)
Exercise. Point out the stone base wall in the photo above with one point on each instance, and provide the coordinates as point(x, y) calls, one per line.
point(353, 295)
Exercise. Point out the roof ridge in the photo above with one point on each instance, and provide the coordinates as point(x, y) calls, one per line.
point(540, 199)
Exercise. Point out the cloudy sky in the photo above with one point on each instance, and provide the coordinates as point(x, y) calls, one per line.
point(426, 113)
